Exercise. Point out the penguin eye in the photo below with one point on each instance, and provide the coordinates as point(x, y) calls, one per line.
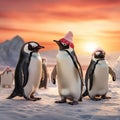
point(64, 44)
point(33, 46)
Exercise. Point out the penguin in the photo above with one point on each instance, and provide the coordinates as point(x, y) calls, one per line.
point(44, 77)
point(68, 72)
point(97, 75)
point(7, 77)
point(28, 72)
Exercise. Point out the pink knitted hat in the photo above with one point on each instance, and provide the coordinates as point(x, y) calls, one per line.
point(68, 39)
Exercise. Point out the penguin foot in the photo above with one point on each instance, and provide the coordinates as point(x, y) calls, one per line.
point(105, 97)
point(73, 103)
point(95, 99)
point(61, 101)
point(36, 98)
point(30, 99)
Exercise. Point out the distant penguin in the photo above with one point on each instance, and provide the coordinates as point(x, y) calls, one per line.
point(68, 71)
point(44, 77)
point(28, 72)
point(7, 77)
point(97, 75)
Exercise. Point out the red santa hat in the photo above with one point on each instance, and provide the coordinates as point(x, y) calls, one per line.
point(68, 39)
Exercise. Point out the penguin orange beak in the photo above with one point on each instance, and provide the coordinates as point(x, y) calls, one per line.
point(55, 41)
point(36, 49)
point(40, 47)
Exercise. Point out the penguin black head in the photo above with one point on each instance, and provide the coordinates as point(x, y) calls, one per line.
point(99, 54)
point(62, 46)
point(66, 42)
point(32, 47)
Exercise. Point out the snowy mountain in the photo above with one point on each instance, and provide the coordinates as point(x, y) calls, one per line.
point(9, 51)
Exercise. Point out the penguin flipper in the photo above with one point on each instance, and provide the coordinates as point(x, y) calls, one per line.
point(112, 73)
point(93, 65)
point(23, 72)
point(89, 74)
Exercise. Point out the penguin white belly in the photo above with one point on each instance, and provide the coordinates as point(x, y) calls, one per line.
point(100, 79)
point(67, 76)
point(35, 71)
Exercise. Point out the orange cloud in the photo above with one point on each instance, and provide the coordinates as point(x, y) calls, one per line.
point(42, 11)
point(45, 20)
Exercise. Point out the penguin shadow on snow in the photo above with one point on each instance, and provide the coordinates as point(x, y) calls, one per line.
point(28, 72)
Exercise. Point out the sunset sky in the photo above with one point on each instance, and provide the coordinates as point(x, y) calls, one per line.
point(91, 21)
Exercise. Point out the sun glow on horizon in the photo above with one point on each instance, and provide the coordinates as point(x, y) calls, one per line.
point(90, 47)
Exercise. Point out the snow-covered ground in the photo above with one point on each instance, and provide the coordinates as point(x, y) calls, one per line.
point(46, 109)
